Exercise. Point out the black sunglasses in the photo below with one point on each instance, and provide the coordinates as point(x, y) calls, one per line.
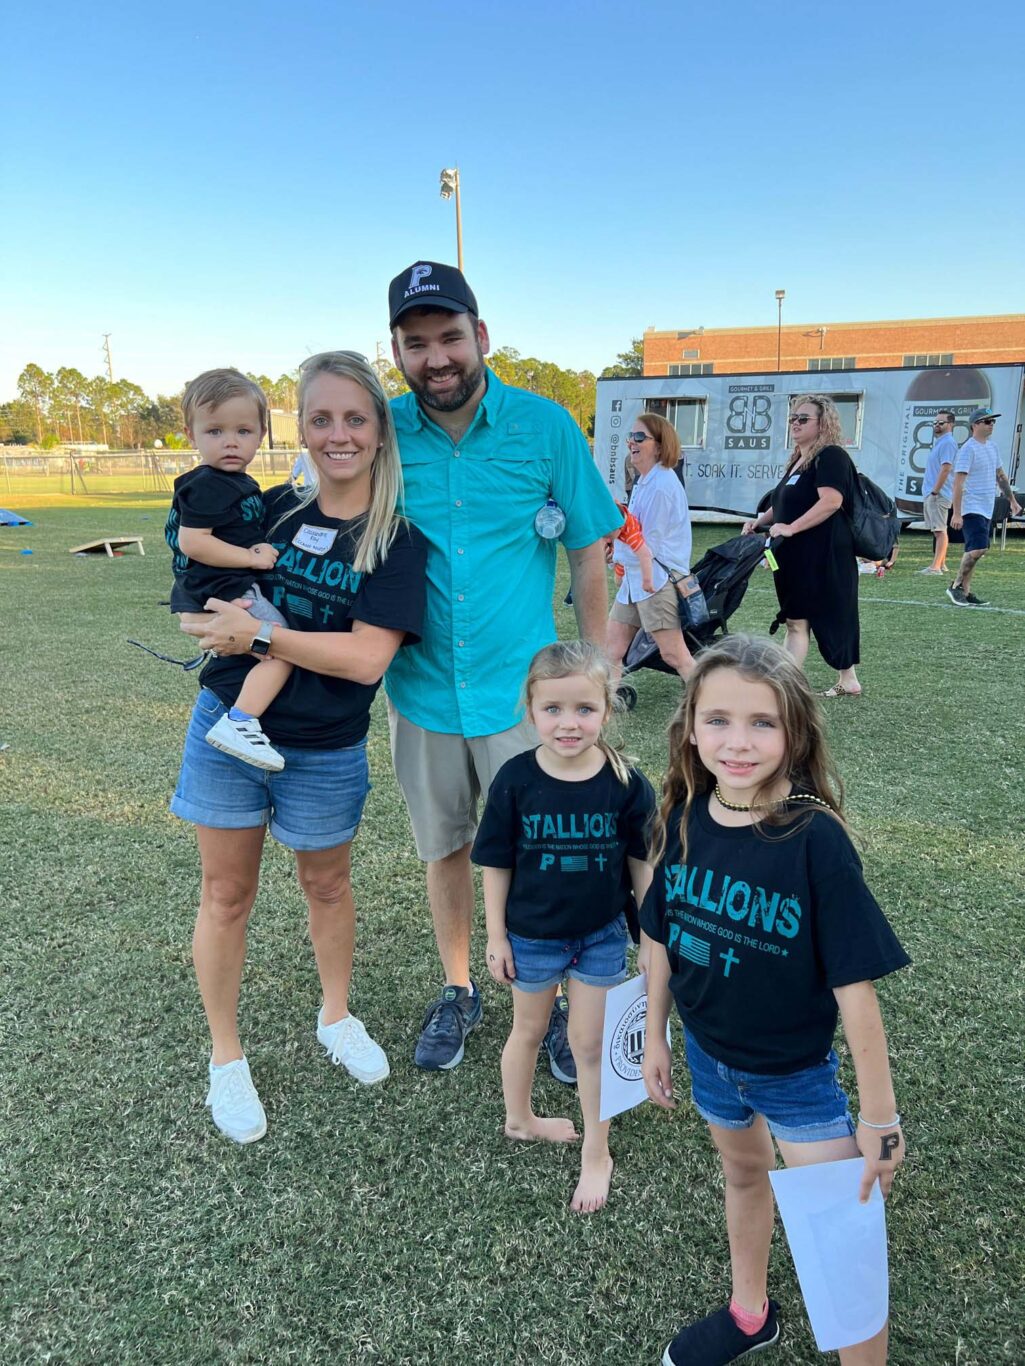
point(638, 437)
point(800, 419)
point(987, 422)
point(187, 664)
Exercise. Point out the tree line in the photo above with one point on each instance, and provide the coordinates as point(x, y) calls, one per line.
point(66, 408)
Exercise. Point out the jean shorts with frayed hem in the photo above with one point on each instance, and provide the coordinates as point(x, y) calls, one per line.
point(315, 802)
point(597, 960)
point(809, 1106)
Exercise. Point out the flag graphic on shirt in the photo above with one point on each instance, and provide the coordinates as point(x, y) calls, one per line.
point(697, 950)
point(573, 863)
point(299, 607)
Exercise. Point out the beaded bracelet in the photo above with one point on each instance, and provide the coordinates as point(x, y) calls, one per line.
point(891, 1124)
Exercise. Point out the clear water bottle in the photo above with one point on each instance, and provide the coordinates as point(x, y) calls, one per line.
point(693, 600)
point(550, 521)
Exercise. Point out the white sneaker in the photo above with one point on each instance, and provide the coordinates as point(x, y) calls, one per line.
point(347, 1042)
point(245, 740)
point(234, 1105)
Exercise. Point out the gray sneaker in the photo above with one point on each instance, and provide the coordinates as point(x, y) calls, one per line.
point(556, 1043)
point(957, 596)
point(449, 1019)
point(973, 601)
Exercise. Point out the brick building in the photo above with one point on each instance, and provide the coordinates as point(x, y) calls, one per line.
point(911, 342)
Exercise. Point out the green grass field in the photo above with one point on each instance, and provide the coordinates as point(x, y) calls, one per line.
point(395, 1224)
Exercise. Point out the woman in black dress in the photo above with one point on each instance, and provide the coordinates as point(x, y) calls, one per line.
point(817, 579)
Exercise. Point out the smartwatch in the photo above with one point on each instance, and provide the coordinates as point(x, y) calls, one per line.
point(260, 644)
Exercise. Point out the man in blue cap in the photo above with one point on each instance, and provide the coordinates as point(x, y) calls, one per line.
point(977, 474)
point(494, 476)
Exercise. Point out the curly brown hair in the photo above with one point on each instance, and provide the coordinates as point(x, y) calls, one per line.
point(830, 425)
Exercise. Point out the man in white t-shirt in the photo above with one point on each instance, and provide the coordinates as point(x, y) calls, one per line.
point(938, 487)
point(977, 474)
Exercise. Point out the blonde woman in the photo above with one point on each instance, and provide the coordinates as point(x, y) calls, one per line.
point(350, 581)
point(817, 579)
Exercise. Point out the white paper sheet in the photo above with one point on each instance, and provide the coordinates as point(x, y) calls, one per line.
point(839, 1249)
point(626, 1010)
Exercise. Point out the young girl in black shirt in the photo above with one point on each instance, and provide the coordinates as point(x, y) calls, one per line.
point(758, 922)
point(562, 843)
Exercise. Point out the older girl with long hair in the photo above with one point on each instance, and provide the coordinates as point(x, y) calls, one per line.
point(817, 579)
point(349, 579)
point(760, 926)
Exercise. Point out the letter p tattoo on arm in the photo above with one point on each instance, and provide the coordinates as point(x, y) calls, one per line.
point(887, 1145)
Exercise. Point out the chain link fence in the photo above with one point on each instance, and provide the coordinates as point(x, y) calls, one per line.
point(88, 473)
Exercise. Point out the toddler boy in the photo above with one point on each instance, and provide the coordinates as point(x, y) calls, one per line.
point(216, 529)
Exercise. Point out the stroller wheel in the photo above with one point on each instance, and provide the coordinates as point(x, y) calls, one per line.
point(626, 694)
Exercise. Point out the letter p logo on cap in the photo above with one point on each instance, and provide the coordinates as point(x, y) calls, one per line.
point(417, 274)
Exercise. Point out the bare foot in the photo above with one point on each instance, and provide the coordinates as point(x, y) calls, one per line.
point(550, 1130)
point(593, 1187)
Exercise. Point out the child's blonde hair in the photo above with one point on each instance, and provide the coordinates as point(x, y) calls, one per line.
point(806, 758)
point(214, 387)
point(567, 658)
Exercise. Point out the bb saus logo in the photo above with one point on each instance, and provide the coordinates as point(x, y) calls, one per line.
point(749, 418)
point(626, 1052)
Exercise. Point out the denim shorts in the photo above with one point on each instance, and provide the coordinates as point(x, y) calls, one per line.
point(801, 1107)
point(976, 531)
point(314, 803)
point(597, 960)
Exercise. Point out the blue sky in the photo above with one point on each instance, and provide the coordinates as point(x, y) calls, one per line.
point(221, 183)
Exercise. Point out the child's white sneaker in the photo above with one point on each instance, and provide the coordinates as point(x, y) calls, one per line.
point(245, 740)
point(234, 1105)
point(348, 1043)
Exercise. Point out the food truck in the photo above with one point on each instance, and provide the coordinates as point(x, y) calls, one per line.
point(735, 436)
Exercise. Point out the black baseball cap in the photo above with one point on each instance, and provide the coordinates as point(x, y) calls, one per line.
point(428, 284)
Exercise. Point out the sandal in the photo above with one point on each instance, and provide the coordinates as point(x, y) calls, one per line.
point(838, 690)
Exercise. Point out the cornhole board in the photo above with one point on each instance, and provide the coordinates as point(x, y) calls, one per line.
point(108, 545)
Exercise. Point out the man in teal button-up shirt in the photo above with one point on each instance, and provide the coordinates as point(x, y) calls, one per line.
point(479, 459)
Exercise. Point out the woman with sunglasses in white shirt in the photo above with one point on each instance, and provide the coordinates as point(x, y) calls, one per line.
point(659, 503)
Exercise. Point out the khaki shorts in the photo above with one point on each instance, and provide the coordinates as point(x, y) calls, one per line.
point(934, 511)
point(660, 612)
point(443, 777)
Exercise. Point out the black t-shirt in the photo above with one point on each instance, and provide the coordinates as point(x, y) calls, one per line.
point(315, 587)
point(229, 505)
point(567, 844)
point(760, 930)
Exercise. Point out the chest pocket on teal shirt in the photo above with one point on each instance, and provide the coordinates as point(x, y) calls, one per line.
point(514, 468)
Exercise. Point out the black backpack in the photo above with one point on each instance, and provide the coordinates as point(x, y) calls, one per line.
point(875, 522)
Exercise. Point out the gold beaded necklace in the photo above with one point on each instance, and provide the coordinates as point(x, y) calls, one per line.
point(796, 797)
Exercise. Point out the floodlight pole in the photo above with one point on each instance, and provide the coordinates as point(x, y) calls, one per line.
point(781, 294)
point(450, 187)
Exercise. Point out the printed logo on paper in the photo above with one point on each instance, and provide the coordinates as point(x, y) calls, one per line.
point(626, 1052)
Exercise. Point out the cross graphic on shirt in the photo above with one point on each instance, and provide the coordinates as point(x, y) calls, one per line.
point(326, 613)
point(729, 958)
point(601, 860)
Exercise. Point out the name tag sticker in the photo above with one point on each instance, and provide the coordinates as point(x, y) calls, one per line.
point(315, 540)
point(793, 479)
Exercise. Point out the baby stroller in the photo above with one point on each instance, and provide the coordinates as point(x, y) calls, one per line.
point(723, 573)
